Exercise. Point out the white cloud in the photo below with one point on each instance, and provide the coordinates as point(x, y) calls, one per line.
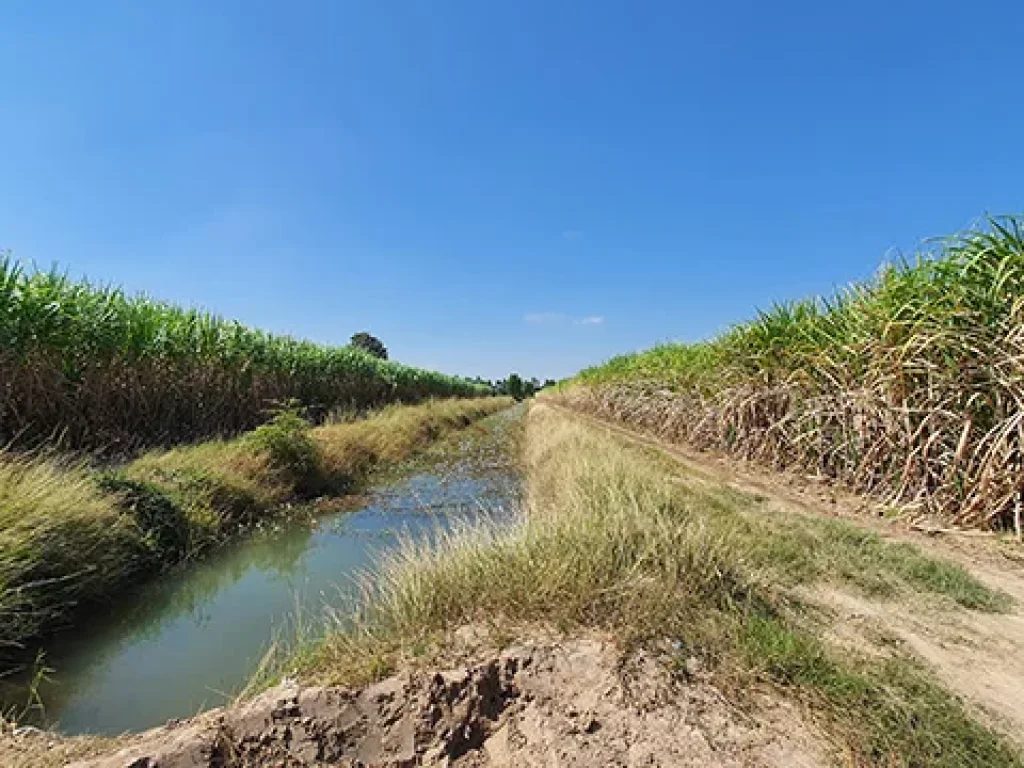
point(559, 318)
point(543, 318)
point(573, 234)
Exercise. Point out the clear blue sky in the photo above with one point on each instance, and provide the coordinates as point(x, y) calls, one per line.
point(472, 180)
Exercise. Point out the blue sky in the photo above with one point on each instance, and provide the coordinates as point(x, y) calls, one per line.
point(529, 186)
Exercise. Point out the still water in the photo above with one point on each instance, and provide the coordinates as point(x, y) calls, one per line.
point(192, 640)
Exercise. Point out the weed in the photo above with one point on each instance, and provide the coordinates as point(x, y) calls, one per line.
point(158, 516)
point(288, 441)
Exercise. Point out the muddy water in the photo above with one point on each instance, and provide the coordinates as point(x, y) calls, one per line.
point(192, 640)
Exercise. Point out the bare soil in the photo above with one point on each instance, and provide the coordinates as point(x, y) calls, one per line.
point(574, 703)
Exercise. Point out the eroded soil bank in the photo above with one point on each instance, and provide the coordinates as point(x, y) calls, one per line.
point(574, 704)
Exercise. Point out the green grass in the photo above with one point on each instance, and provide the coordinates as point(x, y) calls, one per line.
point(865, 559)
point(106, 371)
point(71, 537)
point(797, 549)
point(906, 386)
point(887, 713)
point(608, 541)
point(814, 549)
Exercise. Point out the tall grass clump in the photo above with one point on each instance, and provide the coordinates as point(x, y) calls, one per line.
point(909, 386)
point(104, 370)
point(62, 543)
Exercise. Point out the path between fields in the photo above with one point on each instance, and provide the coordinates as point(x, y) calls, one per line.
point(978, 655)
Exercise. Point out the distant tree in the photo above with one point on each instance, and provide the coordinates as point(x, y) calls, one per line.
point(515, 387)
point(371, 344)
point(520, 388)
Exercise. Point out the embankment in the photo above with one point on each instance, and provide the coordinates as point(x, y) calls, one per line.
point(623, 541)
point(72, 537)
point(909, 387)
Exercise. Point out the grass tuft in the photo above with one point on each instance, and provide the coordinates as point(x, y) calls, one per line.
point(886, 713)
point(63, 541)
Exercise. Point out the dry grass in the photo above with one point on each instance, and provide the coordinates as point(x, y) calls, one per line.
point(62, 542)
point(70, 537)
point(607, 541)
point(43, 750)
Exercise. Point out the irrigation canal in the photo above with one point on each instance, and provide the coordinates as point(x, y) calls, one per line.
point(193, 639)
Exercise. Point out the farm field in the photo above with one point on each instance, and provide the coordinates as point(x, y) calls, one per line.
point(101, 370)
point(906, 387)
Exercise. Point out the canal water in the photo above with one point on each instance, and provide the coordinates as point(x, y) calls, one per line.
point(191, 641)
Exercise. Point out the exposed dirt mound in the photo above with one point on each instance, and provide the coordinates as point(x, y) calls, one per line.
point(570, 704)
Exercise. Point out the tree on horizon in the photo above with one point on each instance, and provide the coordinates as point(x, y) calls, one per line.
point(369, 343)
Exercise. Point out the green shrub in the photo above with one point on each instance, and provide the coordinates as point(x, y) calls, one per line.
point(288, 440)
point(158, 516)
